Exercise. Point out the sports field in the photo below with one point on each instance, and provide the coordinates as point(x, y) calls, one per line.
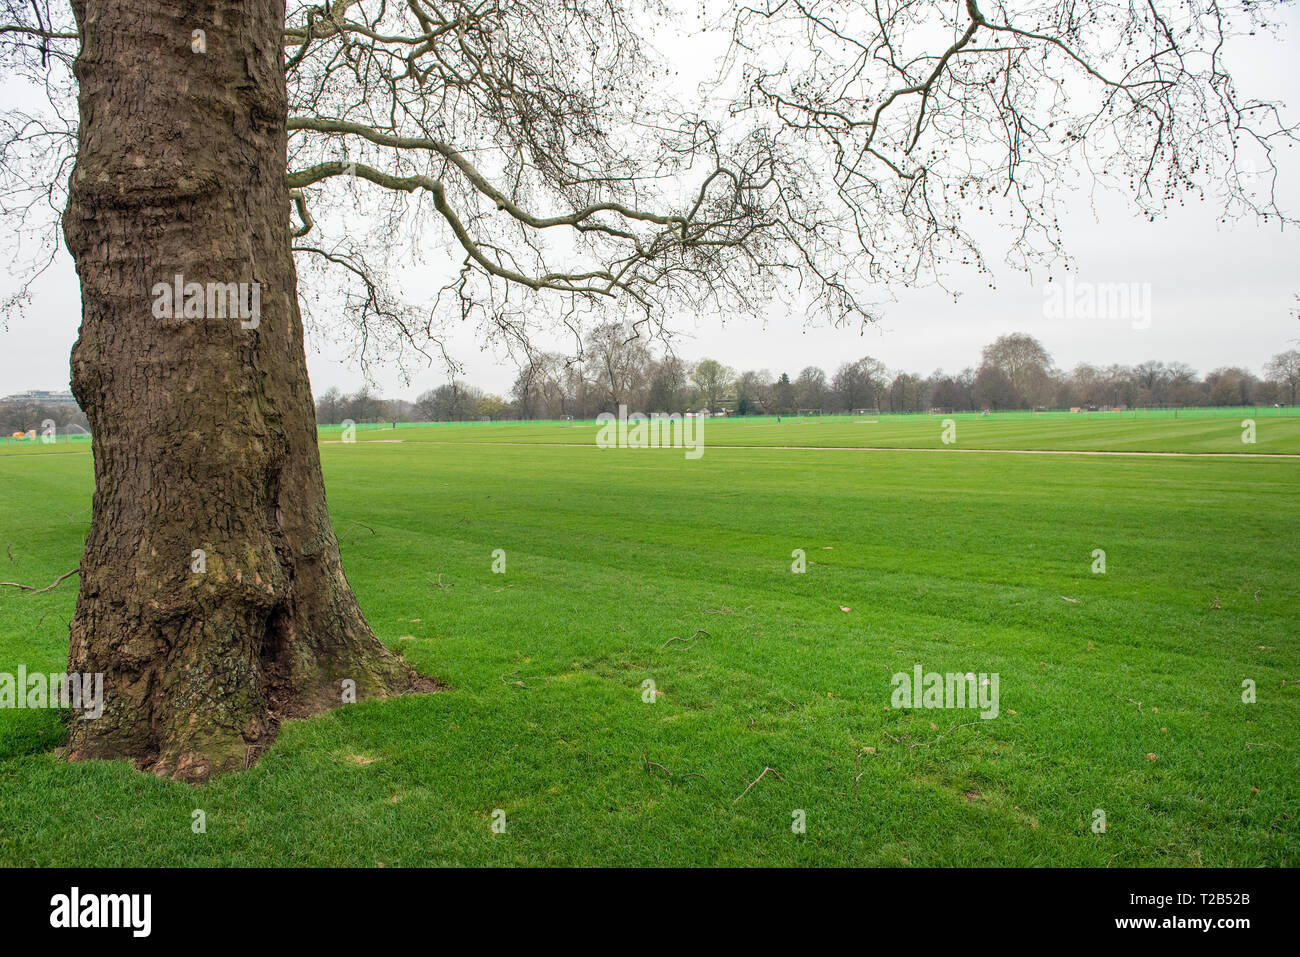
point(1202, 431)
point(1120, 692)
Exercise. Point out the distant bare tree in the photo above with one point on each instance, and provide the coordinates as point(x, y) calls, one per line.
point(783, 395)
point(753, 391)
point(1284, 368)
point(907, 393)
point(859, 384)
point(452, 402)
point(994, 390)
point(951, 393)
point(669, 379)
point(1024, 361)
point(810, 388)
point(617, 359)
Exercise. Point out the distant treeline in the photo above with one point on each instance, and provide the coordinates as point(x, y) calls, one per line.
point(1015, 372)
point(21, 415)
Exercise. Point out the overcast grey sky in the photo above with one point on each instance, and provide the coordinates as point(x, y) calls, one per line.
point(1221, 294)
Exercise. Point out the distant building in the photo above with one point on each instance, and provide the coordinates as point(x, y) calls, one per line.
point(42, 397)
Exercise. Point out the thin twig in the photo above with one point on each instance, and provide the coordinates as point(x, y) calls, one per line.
point(58, 581)
point(352, 526)
point(40, 591)
point(698, 632)
point(857, 761)
point(519, 681)
point(756, 780)
point(648, 764)
point(40, 621)
point(926, 744)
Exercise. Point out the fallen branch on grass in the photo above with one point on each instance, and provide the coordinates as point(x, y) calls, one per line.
point(926, 744)
point(352, 526)
point(40, 621)
point(698, 632)
point(520, 679)
point(648, 764)
point(40, 591)
point(756, 780)
point(857, 759)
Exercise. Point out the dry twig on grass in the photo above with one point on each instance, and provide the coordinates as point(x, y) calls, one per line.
point(352, 526)
point(40, 621)
point(756, 780)
point(698, 632)
point(40, 591)
point(926, 744)
point(648, 764)
point(857, 761)
point(520, 679)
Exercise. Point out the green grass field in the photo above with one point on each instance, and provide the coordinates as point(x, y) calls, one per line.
point(1119, 691)
point(1221, 434)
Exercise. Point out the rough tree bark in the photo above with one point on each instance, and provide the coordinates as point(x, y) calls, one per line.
point(204, 430)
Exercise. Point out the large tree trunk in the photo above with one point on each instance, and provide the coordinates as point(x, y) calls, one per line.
point(204, 433)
